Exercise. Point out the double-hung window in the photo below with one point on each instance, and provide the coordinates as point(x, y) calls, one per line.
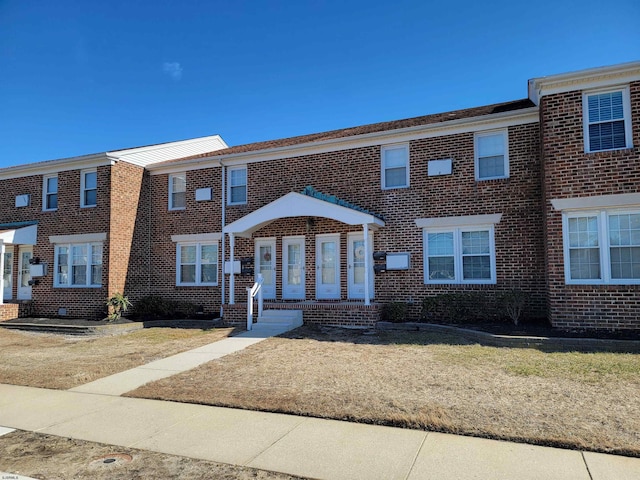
point(492, 155)
point(607, 121)
point(50, 192)
point(78, 265)
point(177, 191)
point(395, 166)
point(459, 255)
point(602, 247)
point(197, 264)
point(237, 185)
point(88, 188)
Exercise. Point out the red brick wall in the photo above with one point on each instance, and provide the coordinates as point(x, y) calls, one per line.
point(570, 172)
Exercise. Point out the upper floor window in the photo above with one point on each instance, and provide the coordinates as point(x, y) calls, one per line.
point(88, 188)
point(395, 166)
point(492, 155)
point(177, 191)
point(78, 265)
point(237, 185)
point(50, 192)
point(197, 264)
point(607, 121)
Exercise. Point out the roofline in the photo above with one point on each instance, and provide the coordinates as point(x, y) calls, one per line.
point(583, 79)
point(55, 166)
point(157, 146)
point(448, 127)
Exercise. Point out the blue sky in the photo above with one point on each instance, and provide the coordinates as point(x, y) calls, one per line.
point(79, 77)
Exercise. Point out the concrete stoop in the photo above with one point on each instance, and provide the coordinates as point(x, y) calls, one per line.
point(283, 318)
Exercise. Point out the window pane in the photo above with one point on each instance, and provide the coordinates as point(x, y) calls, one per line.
point(178, 200)
point(491, 145)
point(209, 254)
point(179, 183)
point(90, 180)
point(96, 274)
point(395, 177)
point(475, 242)
point(209, 273)
point(238, 177)
point(476, 267)
point(441, 268)
point(489, 167)
point(52, 201)
point(440, 243)
point(238, 194)
point(79, 275)
point(584, 263)
point(52, 185)
point(187, 273)
point(625, 262)
point(395, 157)
point(583, 232)
point(90, 197)
point(188, 254)
point(63, 265)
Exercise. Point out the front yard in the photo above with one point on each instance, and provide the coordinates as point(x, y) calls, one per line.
point(427, 381)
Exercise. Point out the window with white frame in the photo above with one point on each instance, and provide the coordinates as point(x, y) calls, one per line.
point(607, 121)
point(395, 166)
point(602, 247)
point(50, 192)
point(459, 255)
point(88, 188)
point(78, 265)
point(492, 155)
point(237, 185)
point(197, 264)
point(177, 191)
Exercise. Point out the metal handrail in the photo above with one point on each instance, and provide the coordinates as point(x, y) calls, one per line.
point(256, 289)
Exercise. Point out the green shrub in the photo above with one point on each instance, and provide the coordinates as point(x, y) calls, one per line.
point(154, 307)
point(395, 312)
point(117, 305)
point(460, 307)
point(513, 303)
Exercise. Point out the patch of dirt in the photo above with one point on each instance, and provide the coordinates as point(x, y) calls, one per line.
point(49, 457)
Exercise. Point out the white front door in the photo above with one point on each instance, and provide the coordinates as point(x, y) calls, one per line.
point(328, 266)
point(293, 272)
point(265, 263)
point(355, 267)
point(7, 275)
point(24, 275)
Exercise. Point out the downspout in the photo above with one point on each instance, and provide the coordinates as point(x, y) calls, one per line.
point(149, 223)
point(224, 221)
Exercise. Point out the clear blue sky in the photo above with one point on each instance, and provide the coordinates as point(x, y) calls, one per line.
point(85, 76)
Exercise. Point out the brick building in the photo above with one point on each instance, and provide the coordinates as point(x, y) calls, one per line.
point(539, 194)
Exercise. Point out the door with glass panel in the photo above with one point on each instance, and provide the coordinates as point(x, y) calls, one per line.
point(293, 271)
point(355, 266)
point(265, 264)
point(24, 274)
point(7, 275)
point(328, 267)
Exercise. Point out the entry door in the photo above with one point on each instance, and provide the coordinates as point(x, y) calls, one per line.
point(265, 263)
point(7, 276)
point(24, 275)
point(355, 267)
point(293, 272)
point(328, 266)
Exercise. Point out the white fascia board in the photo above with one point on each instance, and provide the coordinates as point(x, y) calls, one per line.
point(451, 127)
point(598, 201)
point(55, 166)
point(79, 238)
point(197, 237)
point(464, 221)
point(20, 236)
point(583, 80)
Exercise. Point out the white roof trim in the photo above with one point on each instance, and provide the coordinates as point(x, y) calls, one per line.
point(599, 201)
point(80, 238)
point(197, 237)
point(464, 221)
point(55, 166)
point(20, 236)
point(297, 205)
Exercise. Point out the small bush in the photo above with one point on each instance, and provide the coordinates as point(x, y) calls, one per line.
point(513, 303)
point(117, 305)
point(460, 307)
point(154, 307)
point(395, 312)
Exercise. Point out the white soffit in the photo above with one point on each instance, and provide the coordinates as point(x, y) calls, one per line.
point(600, 201)
point(55, 166)
point(20, 236)
point(465, 221)
point(297, 205)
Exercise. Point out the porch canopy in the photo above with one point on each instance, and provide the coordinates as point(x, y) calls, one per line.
point(16, 233)
point(302, 205)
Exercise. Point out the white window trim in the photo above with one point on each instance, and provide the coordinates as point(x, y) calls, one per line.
point(246, 186)
point(603, 247)
point(626, 105)
point(383, 170)
point(198, 282)
point(83, 188)
point(45, 193)
point(171, 178)
point(476, 158)
point(457, 254)
point(90, 245)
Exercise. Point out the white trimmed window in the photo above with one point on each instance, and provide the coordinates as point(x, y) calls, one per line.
point(88, 188)
point(197, 264)
point(178, 191)
point(607, 121)
point(50, 192)
point(237, 186)
point(395, 166)
point(459, 255)
point(602, 247)
point(78, 265)
point(492, 155)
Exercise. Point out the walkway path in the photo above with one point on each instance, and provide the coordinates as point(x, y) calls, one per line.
point(307, 447)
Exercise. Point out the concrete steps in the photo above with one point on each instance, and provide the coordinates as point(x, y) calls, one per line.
point(289, 318)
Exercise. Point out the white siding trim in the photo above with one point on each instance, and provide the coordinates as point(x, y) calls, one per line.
point(197, 237)
point(599, 201)
point(466, 221)
point(81, 238)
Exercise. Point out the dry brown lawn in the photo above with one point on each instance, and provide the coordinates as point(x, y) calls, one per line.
point(62, 362)
point(428, 381)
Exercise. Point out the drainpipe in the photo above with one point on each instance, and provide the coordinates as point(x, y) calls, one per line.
point(2, 249)
point(367, 264)
point(232, 279)
point(224, 222)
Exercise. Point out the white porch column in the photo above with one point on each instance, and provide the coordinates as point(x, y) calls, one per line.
point(367, 264)
point(2, 271)
point(232, 276)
